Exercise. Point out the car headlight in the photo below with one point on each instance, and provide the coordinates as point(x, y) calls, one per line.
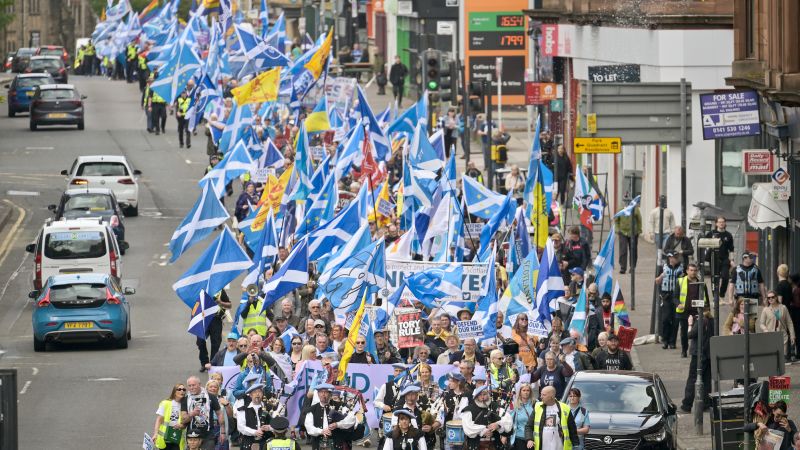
point(657, 436)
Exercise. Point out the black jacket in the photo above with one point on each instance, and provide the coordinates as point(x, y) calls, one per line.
point(675, 244)
point(708, 331)
point(577, 253)
point(458, 356)
point(397, 74)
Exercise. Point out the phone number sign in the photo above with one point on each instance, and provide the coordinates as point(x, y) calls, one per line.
point(730, 114)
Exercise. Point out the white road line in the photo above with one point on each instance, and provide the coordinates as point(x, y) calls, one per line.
point(105, 379)
point(25, 387)
point(188, 161)
point(35, 371)
point(39, 148)
point(23, 193)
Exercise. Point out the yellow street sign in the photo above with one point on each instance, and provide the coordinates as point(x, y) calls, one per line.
point(591, 123)
point(598, 145)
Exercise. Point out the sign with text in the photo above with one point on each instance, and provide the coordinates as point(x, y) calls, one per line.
point(396, 270)
point(339, 92)
point(621, 73)
point(598, 145)
point(484, 68)
point(730, 114)
point(781, 184)
point(626, 337)
point(469, 329)
point(757, 162)
point(591, 123)
point(540, 93)
point(780, 389)
point(409, 328)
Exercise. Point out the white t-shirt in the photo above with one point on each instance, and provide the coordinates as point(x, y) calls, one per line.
point(551, 440)
point(174, 415)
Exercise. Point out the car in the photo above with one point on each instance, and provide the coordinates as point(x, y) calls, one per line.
point(8, 61)
point(92, 203)
point(21, 91)
point(48, 64)
point(75, 246)
point(109, 171)
point(81, 308)
point(21, 58)
point(54, 50)
point(56, 104)
point(628, 410)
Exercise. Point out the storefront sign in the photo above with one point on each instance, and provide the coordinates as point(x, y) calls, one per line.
point(622, 73)
point(540, 93)
point(730, 114)
point(757, 162)
point(781, 184)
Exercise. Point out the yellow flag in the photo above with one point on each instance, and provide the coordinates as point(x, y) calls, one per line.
point(271, 198)
point(350, 343)
point(540, 220)
point(317, 62)
point(383, 198)
point(263, 88)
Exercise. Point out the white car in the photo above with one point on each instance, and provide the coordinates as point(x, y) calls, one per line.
point(107, 171)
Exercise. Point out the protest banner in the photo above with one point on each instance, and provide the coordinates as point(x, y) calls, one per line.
point(469, 329)
point(780, 389)
point(409, 328)
point(339, 92)
point(471, 282)
point(626, 337)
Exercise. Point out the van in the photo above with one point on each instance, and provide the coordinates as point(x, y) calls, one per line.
point(75, 246)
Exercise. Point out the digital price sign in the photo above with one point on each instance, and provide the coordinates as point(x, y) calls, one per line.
point(497, 31)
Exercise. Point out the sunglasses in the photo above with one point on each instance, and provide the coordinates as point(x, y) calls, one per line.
point(771, 297)
point(297, 343)
point(361, 343)
point(181, 389)
point(319, 326)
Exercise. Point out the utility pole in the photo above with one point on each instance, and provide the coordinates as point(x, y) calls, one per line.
point(634, 247)
point(655, 312)
point(683, 153)
point(465, 97)
point(699, 397)
point(748, 304)
point(487, 147)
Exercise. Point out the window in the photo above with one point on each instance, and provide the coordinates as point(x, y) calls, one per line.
point(36, 38)
point(75, 245)
point(619, 397)
point(102, 169)
point(88, 202)
point(33, 7)
point(733, 181)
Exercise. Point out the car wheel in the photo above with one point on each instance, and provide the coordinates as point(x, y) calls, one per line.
point(80, 125)
point(122, 342)
point(132, 211)
point(11, 112)
point(39, 346)
point(130, 332)
point(33, 126)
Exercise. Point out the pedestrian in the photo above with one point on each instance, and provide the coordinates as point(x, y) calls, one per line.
point(168, 429)
point(707, 322)
point(680, 245)
point(473, 172)
point(219, 423)
point(130, 61)
point(527, 343)
point(158, 107)
point(387, 352)
point(450, 131)
point(225, 356)
point(746, 280)
point(722, 264)
point(657, 234)
point(581, 415)
point(483, 426)
point(252, 418)
point(784, 286)
point(602, 342)
point(613, 357)
point(628, 239)
point(514, 181)
point(576, 250)
point(379, 69)
point(576, 359)
point(794, 309)
point(246, 200)
point(688, 289)
point(563, 173)
point(523, 410)
point(89, 59)
point(667, 282)
point(775, 317)
point(181, 109)
point(734, 324)
point(554, 373)
point(469, 353)
point(214, 331)
point(196, 409)
point(397, 76)
point(499, 146)
point(552, 426)
point(326, 427)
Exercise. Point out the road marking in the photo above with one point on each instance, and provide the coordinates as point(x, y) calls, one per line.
point(4, 247)
point(25, 388)
point(188, 161)
point(105, 379)
point(23, 193)
point(35, 371)
point(39, 148)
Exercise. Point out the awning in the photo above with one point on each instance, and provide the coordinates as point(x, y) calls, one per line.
point(765, 211)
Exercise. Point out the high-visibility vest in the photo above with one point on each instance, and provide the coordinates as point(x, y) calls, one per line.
point(78, 59)
point(157, 98)
point(162, 429)
point(538, 412)
point(683, 282)
point(280, 444)
point(89, 51)
point(142, 62)
point(747, 281)
point(256, 318)
point(183, 105)
point(495, 371)
point(131, 52)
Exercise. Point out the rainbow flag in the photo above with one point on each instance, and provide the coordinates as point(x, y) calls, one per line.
point(148, 12)
point(619, 308)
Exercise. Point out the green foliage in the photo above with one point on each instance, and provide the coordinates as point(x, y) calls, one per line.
point(5, 17)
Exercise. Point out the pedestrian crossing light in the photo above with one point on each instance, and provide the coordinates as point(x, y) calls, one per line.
point(432, 63)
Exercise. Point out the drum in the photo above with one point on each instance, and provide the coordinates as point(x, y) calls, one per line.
point(386, 424)
point(455, 432)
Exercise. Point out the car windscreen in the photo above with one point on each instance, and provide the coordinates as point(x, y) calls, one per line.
point(45, 64)
point(75, 245)
point(618, 397)
point(26, 52)
point(58, 94)
point(102, 169)
point(88, 202)
point(51, 52)
point(33, 81)
point(81, 291)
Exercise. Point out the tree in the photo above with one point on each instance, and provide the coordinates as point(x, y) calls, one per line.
point(6, 17)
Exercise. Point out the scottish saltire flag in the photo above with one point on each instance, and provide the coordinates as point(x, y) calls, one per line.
point(486, 308)
point(327, 264)
point(578, 321)
point(620, 310)
point(415, 115)
point(437, 142)
point(203, 312)
point(263, 18)
point(239, 120)
point(369, 336)
point(519, 242)
point(277, 35)
point(587, 200)
point(292, 274)
point(350, 152)
point(288, 335)
point(303, 166)
point(272, 157)
point(520, 295)
point(431, 285)
point(319, 178)
point(384, 117)
point(481, 201)
point(383, 149)
point(265, 252)
point(422, 154)
point(340, 229)
point(254, 54)
point(173, 77)
point(234, 164)
point(604, 264)
point(437, 230)
point(549, 287)
point(206, 215)
point(220, 264)
point(504, 214)
point(322, 207)
point(117, 12)
point(362, 274)
point(628, 210)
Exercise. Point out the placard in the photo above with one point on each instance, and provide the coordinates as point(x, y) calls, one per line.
point(339, 92)
point(409, 328)
point(780, 389)
point(317, 152)
point(345, 197)
point(147, 444)
point(474, 229)
point(261, 175)
point(469, 329)
point(471, 282)
point(626, 336)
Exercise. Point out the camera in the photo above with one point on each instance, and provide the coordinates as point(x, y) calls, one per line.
point(510, 347)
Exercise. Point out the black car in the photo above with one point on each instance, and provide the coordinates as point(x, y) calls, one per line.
point(21, 59)
point(56, 104)
point(92, 202)
point(627, 410)
point(48, 64)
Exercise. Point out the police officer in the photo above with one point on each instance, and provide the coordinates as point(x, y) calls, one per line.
point(280, 425)
point(181, 108)
point(747, 280)
point(158, 108)
point(722, 265)
point(142, 70)
point(88, 59)
point(668, 282)
point(193, 439)
point(130, 62)
point(687, 291)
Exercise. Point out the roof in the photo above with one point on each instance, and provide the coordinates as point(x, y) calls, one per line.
point(87, 223)
point(77, 191)
point(112, 158)
point(34, 75)
point(45, 57)
point(90, 277)
point(614, 375)
point(45, 87)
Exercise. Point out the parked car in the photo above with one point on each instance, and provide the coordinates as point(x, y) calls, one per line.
point(109, 171)
point(7, 63)
point(75, 246)
point(54, 50)
point(21, 91)
point(81, 203)
point(628, 410)
point(48, 64)
point(56, 104)
point(81, 307)
point(20, 61)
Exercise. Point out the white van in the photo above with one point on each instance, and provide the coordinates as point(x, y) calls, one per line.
point(75, 246)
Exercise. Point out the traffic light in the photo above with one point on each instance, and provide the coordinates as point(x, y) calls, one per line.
point(449, 82)
point(475, 95)
point(431, 67)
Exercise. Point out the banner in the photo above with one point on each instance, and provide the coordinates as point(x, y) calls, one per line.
point(367, 378)
point(339, 92)
point(409, 328)
point(469, 329)
point(471, 283)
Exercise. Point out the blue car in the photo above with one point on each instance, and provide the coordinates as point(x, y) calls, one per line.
point(21, 90)
point(79, 308)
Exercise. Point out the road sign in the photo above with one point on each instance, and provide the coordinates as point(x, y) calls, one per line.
point(598, 145)
point(757, 162)
point(591, 123)
point(730, 114)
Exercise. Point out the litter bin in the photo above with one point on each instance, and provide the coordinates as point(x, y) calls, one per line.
point(727, 416)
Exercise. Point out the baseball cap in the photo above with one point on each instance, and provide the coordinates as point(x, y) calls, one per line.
point(576, 271)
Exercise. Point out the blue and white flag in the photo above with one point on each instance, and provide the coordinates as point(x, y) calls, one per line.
point(486, 308)
point(272, 157)
point(549, 287)
point(520, 295)
point(435, 283)
point(415, 115)
point(422, 154)
point(239, 120)
point(481, 201)
point(604, 264)
point(233, 165)
point(363, 273)
point(628, 210)
point(505, 214)
point(327, 264)
point(203, 312)
point(292, 275)
point(265, 252)
point(205, 216)
point(341, 228)
point(578, 321)
point(519, 242)
point(350, 152)
point(220, 264)
point(173, 77)
point(287, 337)
point(383, 149)
point(322, 208)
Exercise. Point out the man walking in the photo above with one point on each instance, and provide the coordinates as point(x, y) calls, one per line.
point(680, 245)
point(181, 108)
point(628, 238)
point(688, 287)
point(397, 76)
point(551, 426)
point(722, 265)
